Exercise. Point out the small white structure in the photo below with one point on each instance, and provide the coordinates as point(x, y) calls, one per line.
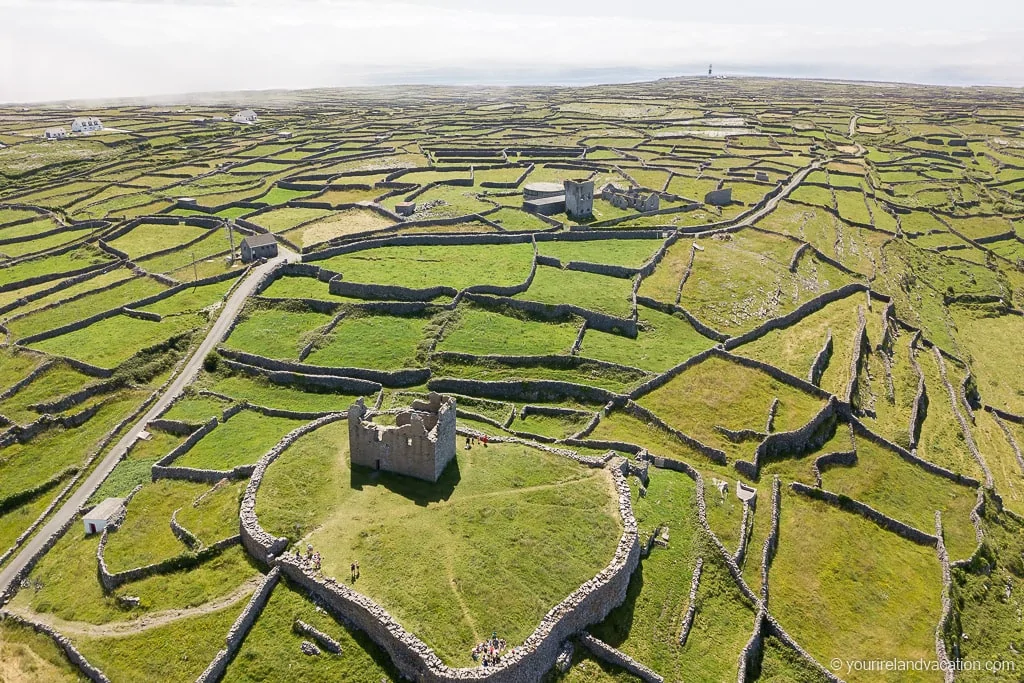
point(285, 134)
point(55, 133)
point(245, 116)
point(97, 519)
point(86, 124)
point(748, 494)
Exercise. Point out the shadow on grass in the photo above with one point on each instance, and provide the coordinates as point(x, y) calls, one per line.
point(379, 656)
point(615, 629)
point(418, 491)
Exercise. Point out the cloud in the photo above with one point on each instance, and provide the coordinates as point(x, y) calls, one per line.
point(57, 49)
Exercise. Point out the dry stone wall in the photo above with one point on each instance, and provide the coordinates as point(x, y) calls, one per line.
point(958, 414)
point(110, 581)
point(1010, 439)
point(372, 380)
point(527, 663)
point(87, 669)
point(771, 541)
point(821, 361)
point(523, 390)
point(240, 629)
point(860, 347)
point(919, 408)
point(947, 608)
point(599, 321)
point(641, 413)
point(884, 521)
point(861, 430)
point(691, 610)
point(787, 444)
point(615, 657)
point(750, 655)
point(257, 542)
point(182, 534)
point(797, 314)
point(321, 638)
point(830, 460)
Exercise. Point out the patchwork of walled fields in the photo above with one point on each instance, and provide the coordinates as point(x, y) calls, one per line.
point(842, 337)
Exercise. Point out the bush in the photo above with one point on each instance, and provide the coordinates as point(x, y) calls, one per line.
point(211, 362)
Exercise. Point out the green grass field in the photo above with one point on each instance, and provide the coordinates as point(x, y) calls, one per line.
point(277, 333)
point(430, 266)
point(242, 440)
point(372, 341)
point(112, 341)
point(891, 192)
point(482, 332)
point(836, 606)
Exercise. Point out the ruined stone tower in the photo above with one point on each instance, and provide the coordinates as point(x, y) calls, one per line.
point(420, 444)
point(579, 198)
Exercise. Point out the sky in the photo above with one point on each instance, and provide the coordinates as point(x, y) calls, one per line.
point(77, 49)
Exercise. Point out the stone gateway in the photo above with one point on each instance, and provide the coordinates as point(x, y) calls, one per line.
point(420, 444)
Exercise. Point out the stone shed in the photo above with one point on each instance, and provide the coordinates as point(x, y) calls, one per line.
point(97, 519)
point(721, 197)
point(420, 444)
point(258, 246)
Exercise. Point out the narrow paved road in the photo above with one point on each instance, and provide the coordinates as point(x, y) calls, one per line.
point(853, 126)
point(78, 498)
point(792, 184)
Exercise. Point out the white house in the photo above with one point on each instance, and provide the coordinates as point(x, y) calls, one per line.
point(55, 134)
point(245, 116)
point(86, 124)
point(97, 519)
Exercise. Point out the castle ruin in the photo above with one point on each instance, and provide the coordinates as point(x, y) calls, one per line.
point(579, 198)
point(420, 444)
point(632, 198)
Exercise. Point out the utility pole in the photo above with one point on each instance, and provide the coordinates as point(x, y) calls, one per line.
point(231, 238)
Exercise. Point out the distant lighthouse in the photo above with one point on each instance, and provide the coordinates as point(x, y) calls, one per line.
point(709, 71)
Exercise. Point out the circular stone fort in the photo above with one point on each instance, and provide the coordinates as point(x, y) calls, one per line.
point(399, 513)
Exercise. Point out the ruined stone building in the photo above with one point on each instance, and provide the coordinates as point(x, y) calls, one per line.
point(420, 444)
point(631, 198)
point(579, 198)
point(721, 197)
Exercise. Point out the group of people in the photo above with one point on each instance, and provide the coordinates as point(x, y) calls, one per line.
point(312, 558)
point(470, 439)
point(489, 652)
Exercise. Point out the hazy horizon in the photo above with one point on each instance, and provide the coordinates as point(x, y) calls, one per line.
point(57, 50)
